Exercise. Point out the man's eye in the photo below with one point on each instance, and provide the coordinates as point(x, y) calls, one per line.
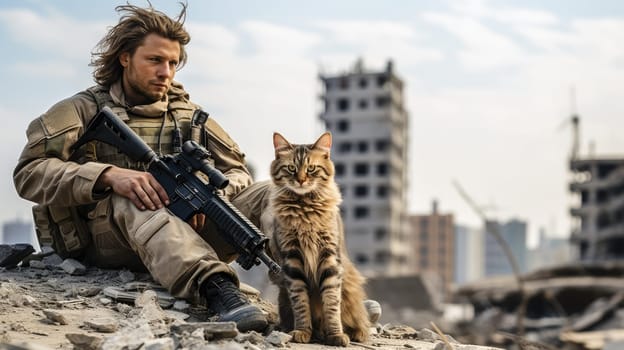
point(291, 168)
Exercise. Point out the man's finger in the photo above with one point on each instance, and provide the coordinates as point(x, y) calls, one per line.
point(160, 191)
point(145, 198)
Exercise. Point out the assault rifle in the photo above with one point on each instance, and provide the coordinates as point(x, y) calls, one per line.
point(188, 194)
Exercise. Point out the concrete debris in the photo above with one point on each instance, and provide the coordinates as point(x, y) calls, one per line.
point(52, 260)
point(131, 337)
point(55, 316)
point(73, 267)
point(278, 339)
point(104, 325)
point(211, 330)
point(84, 341)
point(101, 310)
point(578, 306)
point(13, 254)
point(126, 276)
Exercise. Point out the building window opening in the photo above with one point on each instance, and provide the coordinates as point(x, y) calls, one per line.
point(361, 191)
point(339, 168)
point(344, 83)
point(361, 169)
point(382, 145)
point(381, 233)
point(360, 212)
point(382, 191)
point(344, 147)
point(343, 105)
point(343, 125)
point(382, 169)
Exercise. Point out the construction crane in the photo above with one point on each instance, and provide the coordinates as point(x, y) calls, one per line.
point(493, 230)
point(574, 123)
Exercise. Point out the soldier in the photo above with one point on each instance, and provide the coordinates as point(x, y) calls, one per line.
point(99, 206)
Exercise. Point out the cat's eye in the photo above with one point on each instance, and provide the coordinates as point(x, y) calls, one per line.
point(311, 168)
point(291, 168)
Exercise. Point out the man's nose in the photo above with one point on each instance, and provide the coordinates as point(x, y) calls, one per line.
point(164, 70)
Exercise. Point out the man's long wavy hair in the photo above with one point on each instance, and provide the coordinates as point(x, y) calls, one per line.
point(134, 25)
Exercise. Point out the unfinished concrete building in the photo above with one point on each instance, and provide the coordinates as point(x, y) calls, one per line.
point(434, 245)
point(598, 228)
point(365, 112)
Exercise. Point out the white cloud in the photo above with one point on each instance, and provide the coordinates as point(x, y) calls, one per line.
point(52, 34)
point(212, 37)
point(278, 41)
point(375, 41)
point(482, 47)
point(483, 9)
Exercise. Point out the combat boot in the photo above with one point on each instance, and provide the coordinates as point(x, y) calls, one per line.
point(232, 305)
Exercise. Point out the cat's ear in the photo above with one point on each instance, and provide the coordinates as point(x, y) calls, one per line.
point(280, 144)
point(324, 142)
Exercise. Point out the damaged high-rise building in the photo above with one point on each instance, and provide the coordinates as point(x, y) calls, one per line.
point(365, 112)
point(598, 226)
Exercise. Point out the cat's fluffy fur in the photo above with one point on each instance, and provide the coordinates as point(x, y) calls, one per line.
point(321, 293)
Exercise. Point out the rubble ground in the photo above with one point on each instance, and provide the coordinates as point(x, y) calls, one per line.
point(58, 305)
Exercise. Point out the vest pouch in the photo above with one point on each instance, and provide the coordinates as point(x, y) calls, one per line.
point(61, 228)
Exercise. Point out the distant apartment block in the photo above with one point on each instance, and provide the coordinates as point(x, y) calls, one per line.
point(550, 251)
point(469, 256)
point(434, 244)
point(514, 232)
point(598, 231)
point(364, 110)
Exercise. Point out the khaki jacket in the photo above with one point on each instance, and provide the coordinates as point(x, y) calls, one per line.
point(45, 175)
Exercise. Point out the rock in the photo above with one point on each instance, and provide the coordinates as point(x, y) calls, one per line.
point(252, 337)
point(22, 300)
point(13, 254)
point(104, 325)
point(73, 267)
point(278, 339)
point(84, 341)
point(159, 344)
point(55, 316)
point(88, 291)
point(126, 276)
point(181, 305)
point(123, 308)
point(52, 260)
point(37, 264)
point(176, 315)
point(373, 308)
point(249, 290)
point(131, 337)
point(211, 330)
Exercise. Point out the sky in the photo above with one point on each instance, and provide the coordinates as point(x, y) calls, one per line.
point(489, 85)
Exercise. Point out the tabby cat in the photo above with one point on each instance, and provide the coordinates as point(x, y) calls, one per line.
point(320, 292)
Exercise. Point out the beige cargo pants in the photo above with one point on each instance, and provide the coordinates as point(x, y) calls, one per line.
point(175, 255)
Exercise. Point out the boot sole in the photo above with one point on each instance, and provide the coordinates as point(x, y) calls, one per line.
point(247, 318)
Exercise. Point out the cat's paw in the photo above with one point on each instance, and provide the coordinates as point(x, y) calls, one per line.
point(359, 335)
point(299, 336)
point(339, 339)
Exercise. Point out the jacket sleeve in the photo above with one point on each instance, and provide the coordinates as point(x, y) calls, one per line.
point(228, 158)
point(44, 174)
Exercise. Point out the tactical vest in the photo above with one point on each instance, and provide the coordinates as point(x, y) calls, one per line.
point(157, 132)
point(63, 228)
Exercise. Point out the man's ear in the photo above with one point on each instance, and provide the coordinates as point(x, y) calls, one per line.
point(124, 59)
